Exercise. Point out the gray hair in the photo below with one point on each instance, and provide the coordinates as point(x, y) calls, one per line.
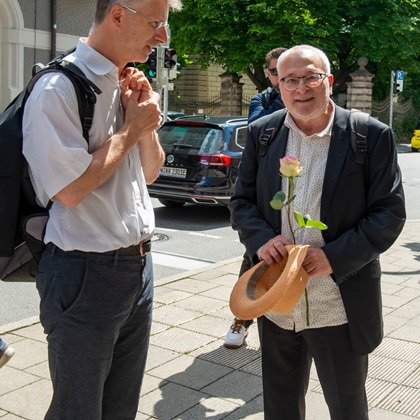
point(104, 6)
point(326, 66)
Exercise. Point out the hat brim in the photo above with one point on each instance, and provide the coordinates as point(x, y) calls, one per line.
point(276, 288)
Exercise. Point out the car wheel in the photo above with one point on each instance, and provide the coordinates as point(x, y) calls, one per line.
point(171, 203)
point(413, 149)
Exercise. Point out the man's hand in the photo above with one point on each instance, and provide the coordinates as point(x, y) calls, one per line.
point(274, 250)
point(316, 263)
point(133, 80)
point(140, 102)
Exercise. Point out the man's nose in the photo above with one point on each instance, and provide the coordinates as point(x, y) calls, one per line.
point(302, 87)
point(162, 35)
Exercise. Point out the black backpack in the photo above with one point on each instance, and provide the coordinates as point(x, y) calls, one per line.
point(22, 220)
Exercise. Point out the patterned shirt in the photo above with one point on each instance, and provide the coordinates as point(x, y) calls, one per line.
point(325, 304)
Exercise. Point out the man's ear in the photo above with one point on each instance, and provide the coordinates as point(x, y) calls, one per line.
point(331, 81)
point(116, 15)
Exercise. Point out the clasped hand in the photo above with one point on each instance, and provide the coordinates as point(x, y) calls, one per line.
point(315, 263)
point(140, 102)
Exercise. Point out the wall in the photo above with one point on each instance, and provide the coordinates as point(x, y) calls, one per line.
point(25, 37)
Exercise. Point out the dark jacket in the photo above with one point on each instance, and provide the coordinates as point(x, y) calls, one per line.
point(264, 103)
point(364, 217)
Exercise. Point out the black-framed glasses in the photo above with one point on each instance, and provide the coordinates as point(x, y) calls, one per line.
point(312, 80)
point(157, 24)
point(273, 71)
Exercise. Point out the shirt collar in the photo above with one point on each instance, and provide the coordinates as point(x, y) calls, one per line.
point(95, 61)
point(289, 123)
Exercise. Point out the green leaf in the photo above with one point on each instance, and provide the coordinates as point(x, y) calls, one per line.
point(299, 219)
point(281, 196)
point(276, 204)
point(309, 223)
point(316, 224)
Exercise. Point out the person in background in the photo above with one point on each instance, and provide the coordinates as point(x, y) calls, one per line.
point(264, 103)
point(6, 352)
point(95, 276)
point(364, 210)
point(269, 100)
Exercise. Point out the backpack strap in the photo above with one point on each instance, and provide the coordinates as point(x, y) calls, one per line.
point(359, 130)
point(269, 131)
point(86, 95)
point(86, 92)
point(265, 97)
point(85, 89)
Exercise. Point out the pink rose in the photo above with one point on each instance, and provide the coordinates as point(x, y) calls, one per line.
point(290, 166)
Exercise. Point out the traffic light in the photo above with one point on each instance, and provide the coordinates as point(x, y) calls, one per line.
point(170, 58)
point(398, 87)
point(152, 63)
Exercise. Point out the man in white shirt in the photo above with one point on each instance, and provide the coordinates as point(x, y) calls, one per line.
point(95, 276)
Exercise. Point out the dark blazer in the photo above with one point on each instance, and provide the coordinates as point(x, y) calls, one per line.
point(364, 216)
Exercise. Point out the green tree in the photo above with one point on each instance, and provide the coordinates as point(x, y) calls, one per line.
point(236, 34)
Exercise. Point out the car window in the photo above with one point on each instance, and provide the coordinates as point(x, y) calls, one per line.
point(238, 140)
point(205, 139)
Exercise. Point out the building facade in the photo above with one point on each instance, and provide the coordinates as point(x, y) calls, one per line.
point(33, 31)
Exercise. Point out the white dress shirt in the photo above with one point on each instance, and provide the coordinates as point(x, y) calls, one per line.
point(111, 216)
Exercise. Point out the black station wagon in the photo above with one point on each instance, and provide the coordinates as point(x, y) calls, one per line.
point(202, 158)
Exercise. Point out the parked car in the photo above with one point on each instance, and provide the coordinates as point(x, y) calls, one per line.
point(415, 140)
point(202, 158)
point(172, 115)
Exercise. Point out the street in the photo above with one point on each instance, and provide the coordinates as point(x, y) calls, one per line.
point(191, 237)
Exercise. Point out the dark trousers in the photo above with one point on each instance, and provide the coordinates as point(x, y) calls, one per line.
point(286, 363)
point(96, 310)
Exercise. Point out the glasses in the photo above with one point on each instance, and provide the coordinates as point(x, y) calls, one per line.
point(157, 24)
point(273, 71)
point(312, 80)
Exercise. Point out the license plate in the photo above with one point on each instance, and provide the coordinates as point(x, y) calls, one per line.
point(173, 172)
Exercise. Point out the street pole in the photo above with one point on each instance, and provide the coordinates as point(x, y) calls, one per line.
point(163, 76)
point(391, 98)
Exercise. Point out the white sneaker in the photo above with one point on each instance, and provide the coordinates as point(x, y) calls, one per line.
point(6, 355)
point(236, 335)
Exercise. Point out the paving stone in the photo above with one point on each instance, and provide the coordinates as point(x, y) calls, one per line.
point(219, 292)
point(28, 353)
point(407, 332)
point(190, 371)
point(191, 285)
point(169, 401)
point(201, 304)
point(238, 387)
point(168, 295)
point(12, 379)
point(170, 339)
point(157, 356)
point(171, 315)
point(210, 408)
point(30, 402)
point(207, 324)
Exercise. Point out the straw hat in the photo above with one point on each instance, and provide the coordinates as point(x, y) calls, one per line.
point(275, 288)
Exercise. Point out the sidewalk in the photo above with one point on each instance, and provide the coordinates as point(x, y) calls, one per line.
point(190, 375)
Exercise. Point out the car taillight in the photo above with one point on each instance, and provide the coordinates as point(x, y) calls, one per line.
point(213, 160)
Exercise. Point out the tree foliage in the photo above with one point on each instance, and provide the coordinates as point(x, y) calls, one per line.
point(237, 34)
